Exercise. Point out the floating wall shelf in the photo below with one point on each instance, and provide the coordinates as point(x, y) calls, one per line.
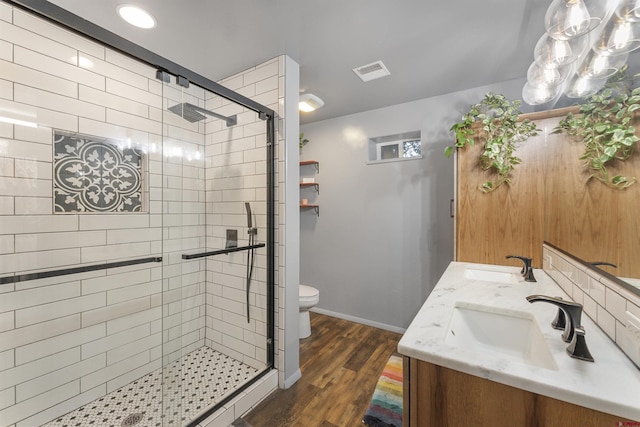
point(315, 164)
point(311, 184)
point(315, 207)
point(311, 163)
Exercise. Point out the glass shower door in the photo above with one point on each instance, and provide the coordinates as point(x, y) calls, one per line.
point(109, 180)
point(214, 226)
point(183, 230)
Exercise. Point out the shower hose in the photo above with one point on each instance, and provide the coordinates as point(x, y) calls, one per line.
point(250, 263)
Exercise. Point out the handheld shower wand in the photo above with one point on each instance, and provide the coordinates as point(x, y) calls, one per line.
point(250, 255)
point(247, 206)
point(252, 230)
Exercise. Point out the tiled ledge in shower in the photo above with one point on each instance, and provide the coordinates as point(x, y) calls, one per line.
point(243, 403)
point(605, 301)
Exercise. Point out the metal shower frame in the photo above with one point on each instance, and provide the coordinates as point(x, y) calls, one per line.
point(75, 23)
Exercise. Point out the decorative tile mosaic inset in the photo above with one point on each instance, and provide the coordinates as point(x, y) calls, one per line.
point(169, 397)
point(95, 175)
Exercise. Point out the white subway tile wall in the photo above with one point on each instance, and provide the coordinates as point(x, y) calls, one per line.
point(66, 341)
point(236, 173)
point(604, 301)
point(64, 344)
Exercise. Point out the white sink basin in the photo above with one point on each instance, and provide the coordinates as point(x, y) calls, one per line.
point(507, 334)
point(494, 276)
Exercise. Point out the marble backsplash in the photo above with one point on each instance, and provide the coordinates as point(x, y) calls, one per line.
point(613, 307)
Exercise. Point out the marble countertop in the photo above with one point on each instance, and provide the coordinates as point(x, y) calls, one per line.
point(611, 384)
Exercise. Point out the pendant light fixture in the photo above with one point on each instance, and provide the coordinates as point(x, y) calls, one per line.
point(567, 19)
point(586, 42)
point(629, 10)
point(619, 36)
point(544, 76)
point(598, 65)
point(535, 95)
point(550, 52)
point(580, 87)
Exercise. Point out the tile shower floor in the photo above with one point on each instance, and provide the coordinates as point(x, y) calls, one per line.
point(192, 384)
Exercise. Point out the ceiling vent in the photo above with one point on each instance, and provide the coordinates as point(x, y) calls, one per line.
point(372, 71)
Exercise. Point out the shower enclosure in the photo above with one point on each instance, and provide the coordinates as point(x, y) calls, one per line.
point(136, 233)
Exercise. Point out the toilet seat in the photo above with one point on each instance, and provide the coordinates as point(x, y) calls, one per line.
point(308, 295)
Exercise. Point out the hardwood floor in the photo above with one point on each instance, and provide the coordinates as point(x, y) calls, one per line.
point(340, 363)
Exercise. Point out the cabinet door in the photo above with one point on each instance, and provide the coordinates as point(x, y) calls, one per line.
point(442, 397)
point(446, 398)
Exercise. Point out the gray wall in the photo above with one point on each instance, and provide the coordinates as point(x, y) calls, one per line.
point(384, 235)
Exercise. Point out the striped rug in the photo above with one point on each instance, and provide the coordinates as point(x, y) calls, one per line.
point(385, 409)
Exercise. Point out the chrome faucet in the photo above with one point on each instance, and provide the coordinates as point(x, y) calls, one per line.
point(527, 269)
point(569, 319)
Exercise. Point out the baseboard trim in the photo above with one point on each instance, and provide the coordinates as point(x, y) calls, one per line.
point(359, 320)
point(288, 382)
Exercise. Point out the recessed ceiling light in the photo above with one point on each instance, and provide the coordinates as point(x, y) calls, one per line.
point(309, 102)
point(136, 16)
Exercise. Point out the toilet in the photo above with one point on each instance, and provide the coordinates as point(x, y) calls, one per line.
point(309, 297)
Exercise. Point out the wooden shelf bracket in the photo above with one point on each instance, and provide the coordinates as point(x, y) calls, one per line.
point(311, 163)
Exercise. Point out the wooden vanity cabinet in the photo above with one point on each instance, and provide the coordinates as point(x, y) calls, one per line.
point(435, 396)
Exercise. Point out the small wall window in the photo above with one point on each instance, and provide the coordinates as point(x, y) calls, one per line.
point(391, 148)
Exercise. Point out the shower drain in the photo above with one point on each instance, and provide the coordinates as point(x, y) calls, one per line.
point(132, 420)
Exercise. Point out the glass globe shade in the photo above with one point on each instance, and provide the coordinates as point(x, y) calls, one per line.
point(581, 87)
point(598, 65)
point(550, 52)
point(568, 19)
point(538, 76)
point(629, 10)
point(533, 95)
point(619, 36)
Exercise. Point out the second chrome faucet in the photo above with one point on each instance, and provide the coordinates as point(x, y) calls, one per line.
point(527, 269)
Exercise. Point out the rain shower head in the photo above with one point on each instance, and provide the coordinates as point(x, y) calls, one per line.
point(186, 112)
point(193, 113)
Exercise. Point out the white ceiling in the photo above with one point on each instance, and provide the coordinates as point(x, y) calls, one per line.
point(430, 47)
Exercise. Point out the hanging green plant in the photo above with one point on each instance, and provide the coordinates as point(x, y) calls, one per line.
point(604, 126)
point(503, 130)
point(303, 140)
